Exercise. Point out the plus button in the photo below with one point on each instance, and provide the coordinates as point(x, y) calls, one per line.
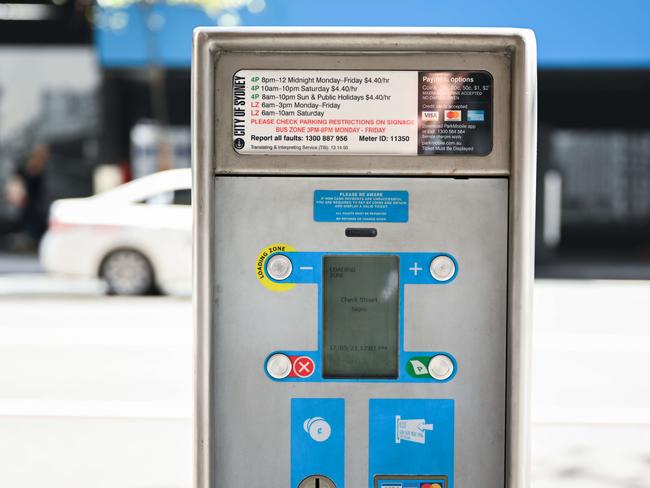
point(415, 268)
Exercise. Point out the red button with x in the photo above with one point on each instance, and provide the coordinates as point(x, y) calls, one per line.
point(303, 366)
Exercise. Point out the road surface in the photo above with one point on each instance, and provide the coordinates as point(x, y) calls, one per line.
point(96, 391)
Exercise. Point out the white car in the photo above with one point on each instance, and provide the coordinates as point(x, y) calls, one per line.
point(137, 237)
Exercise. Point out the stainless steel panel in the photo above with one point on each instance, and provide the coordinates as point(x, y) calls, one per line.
point(466, 217)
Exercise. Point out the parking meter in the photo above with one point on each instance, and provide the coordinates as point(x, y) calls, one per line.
point(363, 256)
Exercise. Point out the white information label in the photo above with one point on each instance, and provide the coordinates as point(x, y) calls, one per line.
point(362, 112)
point(313, 112)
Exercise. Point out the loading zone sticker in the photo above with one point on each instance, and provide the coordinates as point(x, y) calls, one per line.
point(362, 112)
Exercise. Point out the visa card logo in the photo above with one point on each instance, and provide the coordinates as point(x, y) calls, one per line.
point(430, 116)
point(475, 115)
point(453, 115)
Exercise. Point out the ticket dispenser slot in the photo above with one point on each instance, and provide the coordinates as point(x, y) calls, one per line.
point(363, 244)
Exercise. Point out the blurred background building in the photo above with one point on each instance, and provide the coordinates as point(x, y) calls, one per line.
point(133, 113)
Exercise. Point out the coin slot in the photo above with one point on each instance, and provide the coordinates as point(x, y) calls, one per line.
point(317, 481)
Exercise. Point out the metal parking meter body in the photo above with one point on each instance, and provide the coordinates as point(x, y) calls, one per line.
point(363, 256)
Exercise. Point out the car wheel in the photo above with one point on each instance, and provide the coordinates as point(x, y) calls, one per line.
point(127, 272)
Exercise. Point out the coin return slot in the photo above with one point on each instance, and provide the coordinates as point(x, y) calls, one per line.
point(361, 232)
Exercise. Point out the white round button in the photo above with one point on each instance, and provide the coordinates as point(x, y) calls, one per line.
point(279, 267)
point(278, 366)
point(442, 268)
point(440, 367)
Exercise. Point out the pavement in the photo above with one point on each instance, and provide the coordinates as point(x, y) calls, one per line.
point(590, 386)
point(96, 390)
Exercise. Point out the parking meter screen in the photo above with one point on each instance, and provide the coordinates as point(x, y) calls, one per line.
point(360, 316)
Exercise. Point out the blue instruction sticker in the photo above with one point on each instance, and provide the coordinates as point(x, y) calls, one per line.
point(361, 206)
point(318, 439)
point(412, 437)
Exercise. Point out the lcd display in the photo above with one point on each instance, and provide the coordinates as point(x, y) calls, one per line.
point(360, 316)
